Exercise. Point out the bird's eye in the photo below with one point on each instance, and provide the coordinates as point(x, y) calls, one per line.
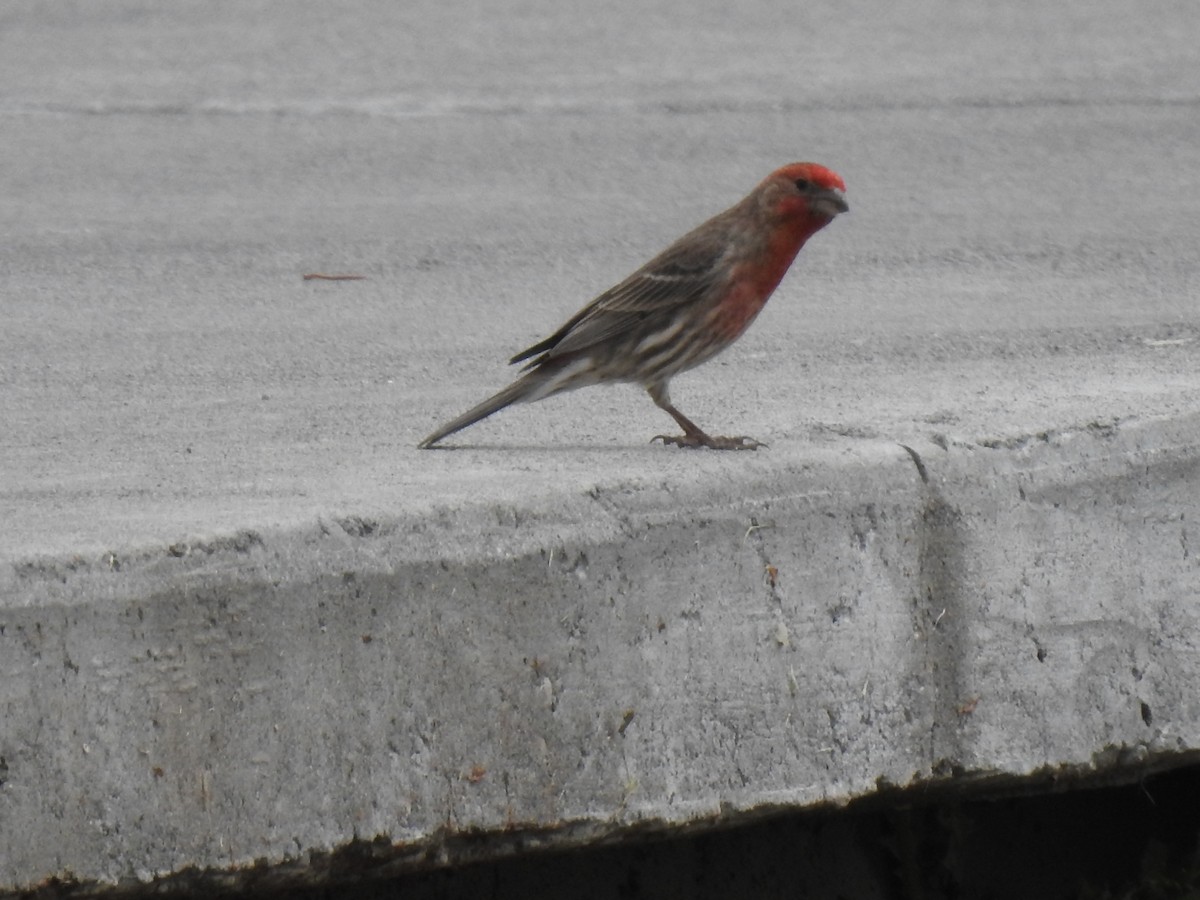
point(803, 184)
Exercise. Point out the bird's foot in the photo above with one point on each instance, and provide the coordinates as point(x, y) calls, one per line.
point(700, 439)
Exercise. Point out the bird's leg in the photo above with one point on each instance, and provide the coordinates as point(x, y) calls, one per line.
point(692, 435)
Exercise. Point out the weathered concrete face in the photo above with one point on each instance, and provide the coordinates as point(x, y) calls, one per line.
point(632, 661)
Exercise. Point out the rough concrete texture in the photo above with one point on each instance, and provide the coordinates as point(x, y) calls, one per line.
point(244, 619)
point(637, 659)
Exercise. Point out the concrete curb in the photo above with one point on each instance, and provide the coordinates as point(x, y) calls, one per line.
point(638, 658)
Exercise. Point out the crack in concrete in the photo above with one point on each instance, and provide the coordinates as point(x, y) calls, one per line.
point(918, 462)
point(619, 517)
point(938, 611)
point(770, 572)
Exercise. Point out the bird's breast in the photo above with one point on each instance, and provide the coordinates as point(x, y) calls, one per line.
point(752, 284)
point(736, 310)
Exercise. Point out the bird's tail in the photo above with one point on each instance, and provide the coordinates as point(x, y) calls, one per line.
point(533, 385)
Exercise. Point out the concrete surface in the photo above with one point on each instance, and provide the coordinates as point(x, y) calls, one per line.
point(244, 619)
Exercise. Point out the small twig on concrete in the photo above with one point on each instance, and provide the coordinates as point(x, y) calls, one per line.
point(754, 526)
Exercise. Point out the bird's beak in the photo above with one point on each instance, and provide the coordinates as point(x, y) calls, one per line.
point(829, 202)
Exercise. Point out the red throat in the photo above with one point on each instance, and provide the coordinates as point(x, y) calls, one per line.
point(753, 284)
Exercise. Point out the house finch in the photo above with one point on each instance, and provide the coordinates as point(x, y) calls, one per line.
point(683, 307)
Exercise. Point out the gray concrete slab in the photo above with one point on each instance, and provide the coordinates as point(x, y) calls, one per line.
point(211, 497)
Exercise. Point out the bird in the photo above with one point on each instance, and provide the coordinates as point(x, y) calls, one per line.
point(681, 308)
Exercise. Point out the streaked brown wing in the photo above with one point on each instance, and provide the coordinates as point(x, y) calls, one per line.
point(681, 274)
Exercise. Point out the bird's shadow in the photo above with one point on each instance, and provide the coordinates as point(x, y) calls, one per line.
point(546, 448)
point(653, 443)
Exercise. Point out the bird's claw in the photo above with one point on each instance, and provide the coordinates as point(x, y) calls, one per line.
point(693, 441)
